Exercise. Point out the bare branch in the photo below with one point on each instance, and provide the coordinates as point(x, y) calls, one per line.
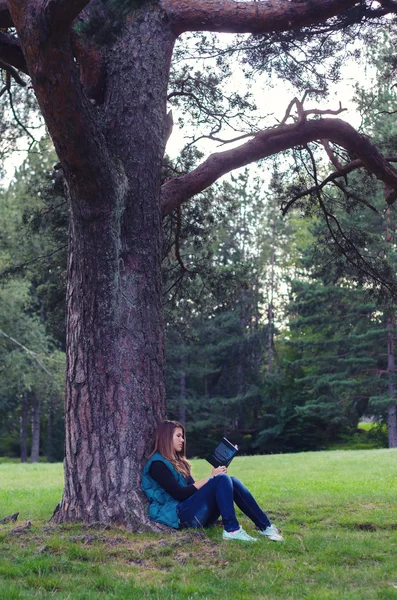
point(331, 155)
point(61, 13)
point(13, 72)
point(329, 111)
point(228, 16)
point(223, 142)
point(289, 108)
point(18, 268)
point(303, 114)
point(269, 142)
point(32, 354)
point(25, 129)
point(177, 239)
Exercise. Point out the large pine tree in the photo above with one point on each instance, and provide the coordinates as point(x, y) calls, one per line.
point(103, 99)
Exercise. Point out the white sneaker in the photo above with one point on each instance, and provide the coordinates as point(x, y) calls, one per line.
point(239, 534)
point(272, 533)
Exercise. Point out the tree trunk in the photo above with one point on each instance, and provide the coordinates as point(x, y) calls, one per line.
point(115, 393)
point(391, 366)
point(50, 432)
point(270, 314)
point(392, 412)
point(239, 421)
point(24, 427)
point(182, 389)
point(392, 425)
point(34, 455)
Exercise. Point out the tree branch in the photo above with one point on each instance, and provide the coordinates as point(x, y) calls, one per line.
point(351, 194)
point(61, 13)
point(228, 16)
point(389, 5)
point(269, 142)
point(21, 125)
point(350, 246)
point(11, 53)
point(367, 268)
point(342, 172)
point(331, 155)
point(55, 77)
point(5, 17)
point(32, 354)
point(13, 73)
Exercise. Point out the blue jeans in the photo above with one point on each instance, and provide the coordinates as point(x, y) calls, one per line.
point(217, 498)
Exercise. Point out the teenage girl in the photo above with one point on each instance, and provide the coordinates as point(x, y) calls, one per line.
point(177, 500)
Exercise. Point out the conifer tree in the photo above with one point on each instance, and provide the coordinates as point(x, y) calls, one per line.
point(104, 102)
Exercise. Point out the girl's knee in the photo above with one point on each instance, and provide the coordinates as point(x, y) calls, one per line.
point(237, 484)
point(223, 478)
point(236, 481)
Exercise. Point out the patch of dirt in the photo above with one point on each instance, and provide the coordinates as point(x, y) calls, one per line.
point(277, 514)
point(367, 527)
point(91, 539)
point(21, 530)
point(370, 526)
point(189, 547)
point(360, 526)
point(152, 553)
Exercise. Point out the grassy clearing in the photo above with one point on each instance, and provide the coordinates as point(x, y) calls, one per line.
point(337, 511)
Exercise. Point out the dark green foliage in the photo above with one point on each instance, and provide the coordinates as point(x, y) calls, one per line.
point(217, 341)
point(32, 307)
point(333, 361)
point(222, 371)
point(36, 240)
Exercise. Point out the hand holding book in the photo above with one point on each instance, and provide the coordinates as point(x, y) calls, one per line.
point(223, 454)
point(218, 471)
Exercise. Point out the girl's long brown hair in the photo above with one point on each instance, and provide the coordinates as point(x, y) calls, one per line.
point(163, 443)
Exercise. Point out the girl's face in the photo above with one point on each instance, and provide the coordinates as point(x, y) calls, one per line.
point(177, 439)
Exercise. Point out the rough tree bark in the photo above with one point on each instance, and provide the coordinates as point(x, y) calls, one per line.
point(106, 113)
point(115, 359)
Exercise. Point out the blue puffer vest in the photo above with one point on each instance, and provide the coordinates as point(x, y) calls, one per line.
point(162, 507)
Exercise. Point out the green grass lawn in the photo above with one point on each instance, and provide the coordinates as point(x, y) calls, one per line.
point(337, 511)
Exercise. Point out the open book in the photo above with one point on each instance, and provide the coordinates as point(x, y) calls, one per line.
point(223, 454)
